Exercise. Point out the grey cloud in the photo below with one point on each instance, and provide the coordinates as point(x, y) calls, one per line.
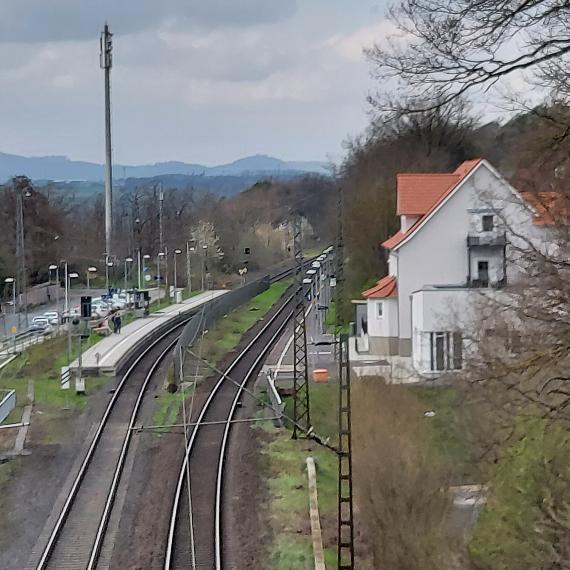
point(61, 20)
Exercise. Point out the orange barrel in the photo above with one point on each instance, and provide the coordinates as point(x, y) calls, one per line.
point(321, 375)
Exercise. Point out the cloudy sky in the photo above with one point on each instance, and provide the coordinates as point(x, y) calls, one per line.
point(195, 80)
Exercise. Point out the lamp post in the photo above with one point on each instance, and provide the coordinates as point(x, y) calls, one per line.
point(145, 257)
point(54, 267)
point(204, 251)
point(127, 260)
point(108, 265)
point(68, 278)
point(189, 250)
point(177, 252)
point(158, 258)
point(90, 270)
point(13, 282)
point(139, 278)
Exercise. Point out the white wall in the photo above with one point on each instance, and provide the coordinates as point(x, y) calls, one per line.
point(393, 264)
point(437, 254)
point(384, 326)
point(406, 222)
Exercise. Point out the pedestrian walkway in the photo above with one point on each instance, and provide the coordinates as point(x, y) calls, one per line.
point(110, 353)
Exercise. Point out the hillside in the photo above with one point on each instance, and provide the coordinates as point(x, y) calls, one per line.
point(61, 168)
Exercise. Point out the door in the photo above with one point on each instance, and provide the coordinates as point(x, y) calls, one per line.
point(483, 272)
point(439, 352)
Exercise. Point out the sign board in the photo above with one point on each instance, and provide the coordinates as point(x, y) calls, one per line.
point(333, 282)
point(147, 277)
point(13, 329)
point(65, 378)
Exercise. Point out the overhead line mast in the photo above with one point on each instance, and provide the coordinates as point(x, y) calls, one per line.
point(301, 407)
point(106, 64)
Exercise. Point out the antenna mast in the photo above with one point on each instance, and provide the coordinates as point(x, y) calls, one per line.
point(106, 64)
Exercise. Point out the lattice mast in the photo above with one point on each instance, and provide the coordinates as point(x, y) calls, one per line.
point(345, 544)
point(301, 399)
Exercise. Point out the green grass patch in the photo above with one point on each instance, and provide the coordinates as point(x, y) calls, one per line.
point(41, 363)
point(285, 470)
point(225, 335)
point(449, 431)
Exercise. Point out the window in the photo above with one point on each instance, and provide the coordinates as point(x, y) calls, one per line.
point(380, 309)
point(446, 351)
point(488, 223)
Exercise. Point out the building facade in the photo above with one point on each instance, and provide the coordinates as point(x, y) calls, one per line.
point(457, 236)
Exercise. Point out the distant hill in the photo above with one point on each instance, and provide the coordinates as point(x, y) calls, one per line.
point(61, 168)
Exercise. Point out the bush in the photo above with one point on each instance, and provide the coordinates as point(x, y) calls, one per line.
point(526, 522)
point(400, 482)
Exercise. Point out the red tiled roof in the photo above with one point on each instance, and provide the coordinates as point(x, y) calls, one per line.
point(417, 193)
point(421, 194)
point(386, 288)
point(550, 207)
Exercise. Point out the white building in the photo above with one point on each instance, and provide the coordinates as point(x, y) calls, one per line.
point(454, 239)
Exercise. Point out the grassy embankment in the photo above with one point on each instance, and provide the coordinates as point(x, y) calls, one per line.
point(284, 464)
point(223, 337)
point(286, 476)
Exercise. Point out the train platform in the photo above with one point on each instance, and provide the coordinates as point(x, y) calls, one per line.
point(320, 351)
point(109, 354)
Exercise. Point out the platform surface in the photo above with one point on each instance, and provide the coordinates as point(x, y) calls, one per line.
point(106, 355)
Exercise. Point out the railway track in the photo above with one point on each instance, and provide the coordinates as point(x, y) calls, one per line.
point(195, 532)
point(76, 538)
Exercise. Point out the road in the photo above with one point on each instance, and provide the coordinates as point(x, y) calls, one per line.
point(18, 320)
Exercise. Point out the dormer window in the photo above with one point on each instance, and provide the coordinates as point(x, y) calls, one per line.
point(488, 222)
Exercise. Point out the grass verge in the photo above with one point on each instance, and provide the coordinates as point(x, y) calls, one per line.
point(286, 475)
point(41, 364)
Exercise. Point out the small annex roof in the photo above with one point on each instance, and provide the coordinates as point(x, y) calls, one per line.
point(421, 194)
point(386, 288)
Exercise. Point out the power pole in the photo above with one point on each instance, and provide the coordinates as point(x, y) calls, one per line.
point(106, 63)
point(345, 544)
point(301, 399)
point(21, 189)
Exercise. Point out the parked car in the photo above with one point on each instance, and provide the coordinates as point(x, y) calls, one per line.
point(67, 315)
point(40, 323)
point(52, 317)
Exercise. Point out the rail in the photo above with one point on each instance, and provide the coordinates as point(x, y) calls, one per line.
point(75, 488)
point(182, 474)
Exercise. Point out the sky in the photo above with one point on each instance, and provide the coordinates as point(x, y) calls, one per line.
point(205, 81)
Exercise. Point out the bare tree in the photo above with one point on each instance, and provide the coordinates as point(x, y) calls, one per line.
point(450, 47)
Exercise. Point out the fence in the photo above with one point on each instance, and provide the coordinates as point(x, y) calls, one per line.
point(210, 313)
point(7, 403)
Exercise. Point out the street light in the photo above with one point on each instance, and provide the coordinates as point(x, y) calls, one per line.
point(158, 258)
point(145, 257)
point(177, 252)
point(54, 267)
point(204, 248)
point(13, 281)
point(68, 278)
point(127, 260)
point(189, 250)
point(89, 271)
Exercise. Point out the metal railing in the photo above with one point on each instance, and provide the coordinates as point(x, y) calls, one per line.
point(211, 312)
point(7, 403)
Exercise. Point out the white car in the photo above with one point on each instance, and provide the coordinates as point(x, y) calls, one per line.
point(52, 317)
point(40, 323)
